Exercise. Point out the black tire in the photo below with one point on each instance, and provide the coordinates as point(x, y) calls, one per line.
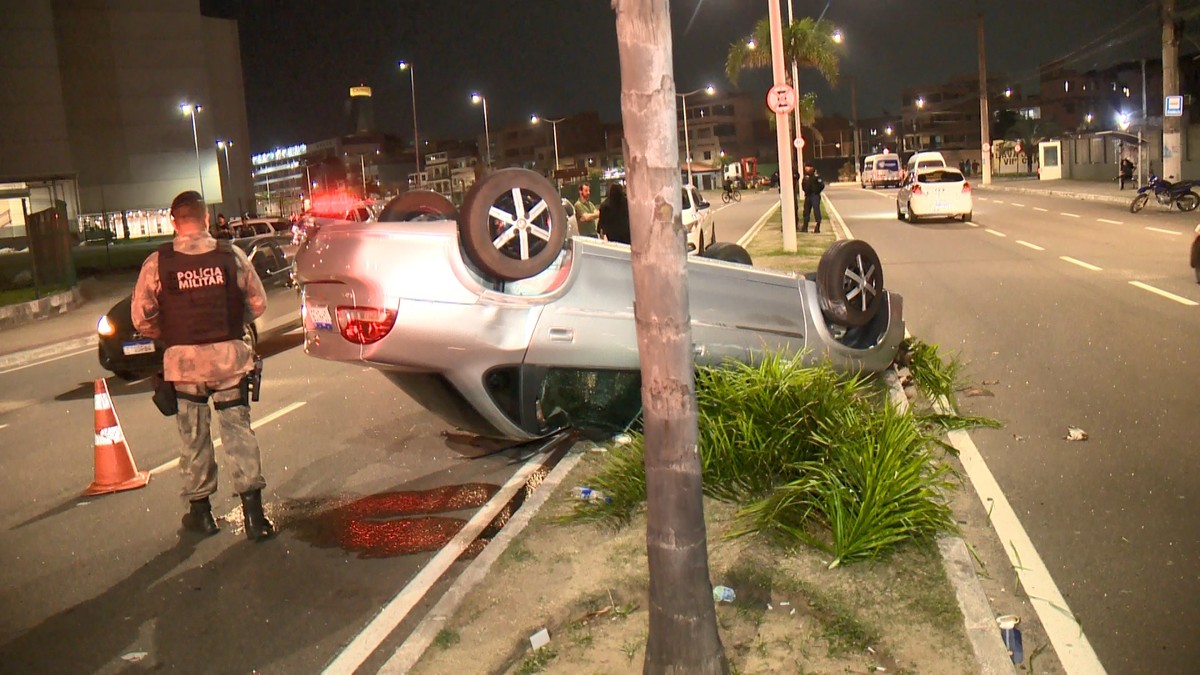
point(1188, 201)
point(416, 203)
point(1139, 202)
point(899, 215)
point(727, 251)
point(725, 197)
point(519, 248)
point(1197, 271)
point(850, 283)
point(128, 375)
point(737, 195)
point(966, 217)
point(700, 243)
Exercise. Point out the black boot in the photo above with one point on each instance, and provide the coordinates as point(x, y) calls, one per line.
point(258, 527)
point(199, 518)
point(817, 229)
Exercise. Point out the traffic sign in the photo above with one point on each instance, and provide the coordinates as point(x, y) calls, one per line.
point(987, 147)
point(781, 99)
point(799, 142)
point(1174, 106)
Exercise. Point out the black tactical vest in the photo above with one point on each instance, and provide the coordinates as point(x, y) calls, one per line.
point(200, 301)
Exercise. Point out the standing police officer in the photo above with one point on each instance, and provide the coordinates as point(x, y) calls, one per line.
point(196, 294)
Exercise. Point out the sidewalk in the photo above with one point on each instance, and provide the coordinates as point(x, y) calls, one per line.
point(1094, 191)
point(70, 331)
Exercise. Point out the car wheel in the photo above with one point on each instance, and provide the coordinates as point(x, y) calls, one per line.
point(127, 375)
point(512, 224)
point(1139, 202)
point(966, 217)
point(700, 242)
point(899, 214)
point(850, 283)
point(727, 251)
point(415, 203)
point(1197, 271)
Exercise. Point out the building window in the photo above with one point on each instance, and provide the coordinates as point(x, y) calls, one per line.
point(725, 130)
point(707, 155)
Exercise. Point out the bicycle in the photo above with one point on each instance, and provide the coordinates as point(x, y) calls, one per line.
point(734, 195)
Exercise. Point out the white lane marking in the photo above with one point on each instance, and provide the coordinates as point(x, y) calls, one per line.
point(837, 218)
point(997, 201)
point(973, 223)
point(1029, 245)
point(1016, 204)
point(395, 611)
point(217, 442)
point(1082, 264)
point(998, 234)
point(3, 426)
point(1111, 222)
point(38, 363)
point(1158, 291)
point(1069, 215)
point(1070, 644)
point(1038, 208)
point(1157, 229)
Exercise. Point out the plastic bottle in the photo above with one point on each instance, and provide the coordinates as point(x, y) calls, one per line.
point(587, 494)
point(723, 594)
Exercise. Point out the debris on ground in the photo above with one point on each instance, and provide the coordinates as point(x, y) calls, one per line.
point(539, 639)
point(723, 594)
point(1076, 434)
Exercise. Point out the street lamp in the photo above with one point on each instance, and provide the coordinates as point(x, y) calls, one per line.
point(190, 110)
point(412, 81)
point(687, 147)
point(478, 99)
point(223, 144)
point(534, 119)
point(920, 102)
point(837, 36)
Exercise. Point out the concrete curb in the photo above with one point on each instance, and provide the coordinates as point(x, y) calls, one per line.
point(23, 313)
point(979, 621)
point(407, 655)
point(1084, 196)
point(49, 351)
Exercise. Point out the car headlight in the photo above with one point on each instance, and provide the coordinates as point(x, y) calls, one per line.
point(106, 327)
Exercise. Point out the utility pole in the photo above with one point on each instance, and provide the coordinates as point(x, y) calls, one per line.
point(1141, 163)
point(796, 86)
point(1172, 142)
point(783, 133)
point(985, 118)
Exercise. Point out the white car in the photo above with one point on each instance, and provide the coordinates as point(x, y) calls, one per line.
point(934, 192)
point(696, 216)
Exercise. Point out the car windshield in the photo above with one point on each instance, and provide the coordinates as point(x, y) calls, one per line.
point(947, 176)
point(889, 165)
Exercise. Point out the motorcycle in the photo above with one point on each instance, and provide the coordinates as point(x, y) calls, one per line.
point(1166, 193)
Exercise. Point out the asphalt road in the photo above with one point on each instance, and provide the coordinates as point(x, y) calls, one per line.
point(363, 484)
point(85, 582)
point(1074, 314)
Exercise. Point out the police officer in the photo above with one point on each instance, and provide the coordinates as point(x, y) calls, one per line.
point(196, 293)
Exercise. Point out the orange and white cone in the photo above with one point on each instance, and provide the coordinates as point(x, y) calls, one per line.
point(115, 470)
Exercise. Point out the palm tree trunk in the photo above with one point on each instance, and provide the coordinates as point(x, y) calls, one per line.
point(683, 625)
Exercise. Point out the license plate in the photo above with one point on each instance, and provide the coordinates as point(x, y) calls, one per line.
point(138, 347)
point(320, 317)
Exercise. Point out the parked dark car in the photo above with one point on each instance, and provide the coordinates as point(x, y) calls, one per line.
point(132, 356)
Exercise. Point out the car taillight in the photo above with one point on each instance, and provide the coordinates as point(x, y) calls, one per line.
point(364, 325)
point(916, 189)
point(105, 327)
point(966, 188)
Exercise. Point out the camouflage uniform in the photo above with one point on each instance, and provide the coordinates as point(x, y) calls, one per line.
point(200, 370)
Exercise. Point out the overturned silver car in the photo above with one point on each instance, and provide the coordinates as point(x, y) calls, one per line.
point(492, 318)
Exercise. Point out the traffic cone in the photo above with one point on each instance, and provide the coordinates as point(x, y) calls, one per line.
point(115, 470)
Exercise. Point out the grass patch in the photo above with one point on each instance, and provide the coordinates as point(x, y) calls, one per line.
point(446, 638)
point(537, 661)
point(766, 249)
point(936, 377)
point(14, 296)
point(811, 455)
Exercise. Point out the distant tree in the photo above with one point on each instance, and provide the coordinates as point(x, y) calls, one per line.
point(683, 634)
point(1029, 133)
point(809, 43)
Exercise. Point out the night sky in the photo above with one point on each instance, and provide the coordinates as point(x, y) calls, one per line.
point(559, 57)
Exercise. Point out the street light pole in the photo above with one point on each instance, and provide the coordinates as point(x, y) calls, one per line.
point(783, 133)
point(412, 81)
point(191, 110)
point(362, 163)
point(487, 134)
point(687, 146)
point(224, 145)
point(534, 119)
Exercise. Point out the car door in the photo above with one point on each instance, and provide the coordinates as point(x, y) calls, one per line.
point(283, 305)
